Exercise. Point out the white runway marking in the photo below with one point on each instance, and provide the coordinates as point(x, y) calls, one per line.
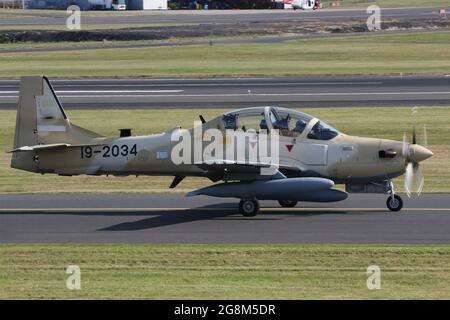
point(261, 94)
point(105, 91)
point(120, 91)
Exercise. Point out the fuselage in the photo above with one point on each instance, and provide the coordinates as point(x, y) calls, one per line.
point(306, 147)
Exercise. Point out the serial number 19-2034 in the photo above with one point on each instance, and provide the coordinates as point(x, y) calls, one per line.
point(109, 151)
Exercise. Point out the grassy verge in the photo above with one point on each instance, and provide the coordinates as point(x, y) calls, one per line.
point(86, 26)
point(387, 123)
point(382, 54)
point(114, 43)
point(224, 271)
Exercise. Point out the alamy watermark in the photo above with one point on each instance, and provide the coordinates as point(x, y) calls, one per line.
point(374, 20)
point(214, 146)
point(73, 281)
point(73, 21)
point(374, 277)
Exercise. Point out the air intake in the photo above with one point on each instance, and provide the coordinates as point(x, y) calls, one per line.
point(125, 133)
point(389, 153)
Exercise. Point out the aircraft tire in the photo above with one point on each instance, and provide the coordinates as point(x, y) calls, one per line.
point(287, 203)
point(249, 208)
point(395, 204)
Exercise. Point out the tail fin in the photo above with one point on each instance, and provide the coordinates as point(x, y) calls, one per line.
point(41, 120)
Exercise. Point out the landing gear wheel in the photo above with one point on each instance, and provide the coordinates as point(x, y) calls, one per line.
point(394, 203)
point(287, 203)
point(249, 208)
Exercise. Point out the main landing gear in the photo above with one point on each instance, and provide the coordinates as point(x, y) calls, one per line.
point(394, 202)
point(249, 208)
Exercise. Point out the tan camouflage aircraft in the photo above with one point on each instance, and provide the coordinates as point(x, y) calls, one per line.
point(307, 158)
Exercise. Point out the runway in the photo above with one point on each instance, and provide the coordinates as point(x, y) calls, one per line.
point(37, 18)
point(242, 92)
point(176, 219)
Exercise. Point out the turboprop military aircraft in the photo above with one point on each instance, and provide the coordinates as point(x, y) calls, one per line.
point(258, 153)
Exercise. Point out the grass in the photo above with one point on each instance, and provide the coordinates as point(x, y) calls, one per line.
point(383, 122)
point(90, 26)
point(224, 271)
point(115, 43)
point(393, 54)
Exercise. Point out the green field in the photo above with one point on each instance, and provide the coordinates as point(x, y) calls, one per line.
point(87, 26)
point(420, 53)
point(101, 45)
point(224, 271)
point(380, 122)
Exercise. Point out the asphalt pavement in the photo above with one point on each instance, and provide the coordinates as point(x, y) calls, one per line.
point(37, 18)
point(175, 219)
point(147, 93)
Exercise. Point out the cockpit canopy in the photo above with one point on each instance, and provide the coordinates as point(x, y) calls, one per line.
point(290, 123)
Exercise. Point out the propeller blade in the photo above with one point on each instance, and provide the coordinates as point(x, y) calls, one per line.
point(404, 146)
point(419, 179)
point(409, 176)
point(424, 136)
point(413, 114)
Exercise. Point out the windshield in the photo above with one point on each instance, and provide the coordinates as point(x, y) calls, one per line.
point(322, 131)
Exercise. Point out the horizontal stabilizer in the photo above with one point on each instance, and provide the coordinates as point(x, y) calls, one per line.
point(40, 147)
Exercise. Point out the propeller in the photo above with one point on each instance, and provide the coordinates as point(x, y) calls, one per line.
point(413, 154)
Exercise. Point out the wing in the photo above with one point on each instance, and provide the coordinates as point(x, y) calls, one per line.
point(228, 170)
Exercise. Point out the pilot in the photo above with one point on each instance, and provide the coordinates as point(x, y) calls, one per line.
point(283, 124)
point(300, 125)
point(263, 125)
point(230, 121)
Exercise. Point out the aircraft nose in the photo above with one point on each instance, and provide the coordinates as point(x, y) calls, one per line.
point(419, 153)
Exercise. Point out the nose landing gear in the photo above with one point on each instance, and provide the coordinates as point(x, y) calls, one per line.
point(394, 202)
